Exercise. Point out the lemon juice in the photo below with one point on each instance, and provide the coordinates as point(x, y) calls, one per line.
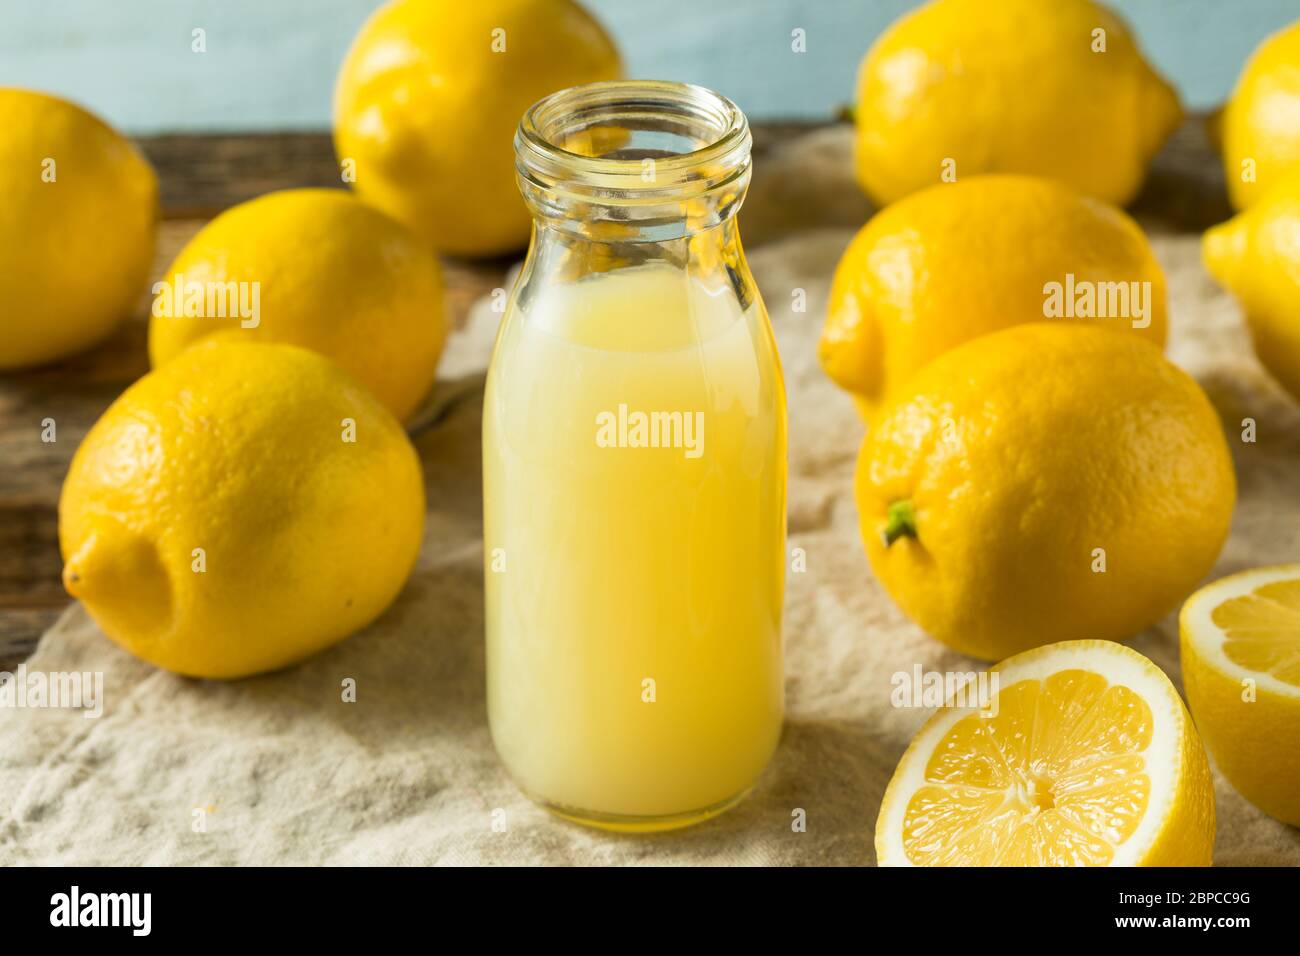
point(634, 461)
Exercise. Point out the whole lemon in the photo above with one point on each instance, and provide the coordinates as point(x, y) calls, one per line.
point(1257, 256)
point(959, 87)
point(1259, 134)
point(960, 260)
point(1044, 483)
point(428, 100)
point(316, 268)
point(240, 509)
point(76, 228)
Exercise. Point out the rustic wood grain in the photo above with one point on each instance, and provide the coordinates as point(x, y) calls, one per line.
point(202, 175)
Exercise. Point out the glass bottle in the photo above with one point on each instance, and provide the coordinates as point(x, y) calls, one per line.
point(634, 468)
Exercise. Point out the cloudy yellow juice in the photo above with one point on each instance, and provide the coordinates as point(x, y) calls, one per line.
point(634, 461)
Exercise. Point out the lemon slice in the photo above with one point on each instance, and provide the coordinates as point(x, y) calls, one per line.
point(1240, 641)
point(1084, 757)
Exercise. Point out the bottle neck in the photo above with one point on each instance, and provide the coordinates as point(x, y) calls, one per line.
point(634, 162)
point(560, 253)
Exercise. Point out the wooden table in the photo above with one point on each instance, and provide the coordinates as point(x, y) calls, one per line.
point(202, 175)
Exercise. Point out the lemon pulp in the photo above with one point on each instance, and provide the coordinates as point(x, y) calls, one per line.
point(1262, 629)
point(1055, 776)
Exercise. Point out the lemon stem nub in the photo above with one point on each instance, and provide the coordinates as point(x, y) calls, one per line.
point(900, 521)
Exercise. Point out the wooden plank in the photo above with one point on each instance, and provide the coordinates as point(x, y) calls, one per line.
point(1184, 190)
point(29, 567)
point(21, 629)
point(201, 175)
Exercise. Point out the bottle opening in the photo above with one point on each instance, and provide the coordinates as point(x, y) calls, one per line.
point(632, 143)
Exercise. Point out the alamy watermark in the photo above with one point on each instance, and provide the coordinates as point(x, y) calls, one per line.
point(1085, 299)
point(208, 300)
point(632, 429)
point(133, 911)
point(932, 689)
point(55, 690)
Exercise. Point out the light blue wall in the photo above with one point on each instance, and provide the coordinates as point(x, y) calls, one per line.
point(271, 63)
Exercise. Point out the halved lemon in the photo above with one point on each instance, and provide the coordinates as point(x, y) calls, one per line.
point(1240, 643)
point(1085, 756)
